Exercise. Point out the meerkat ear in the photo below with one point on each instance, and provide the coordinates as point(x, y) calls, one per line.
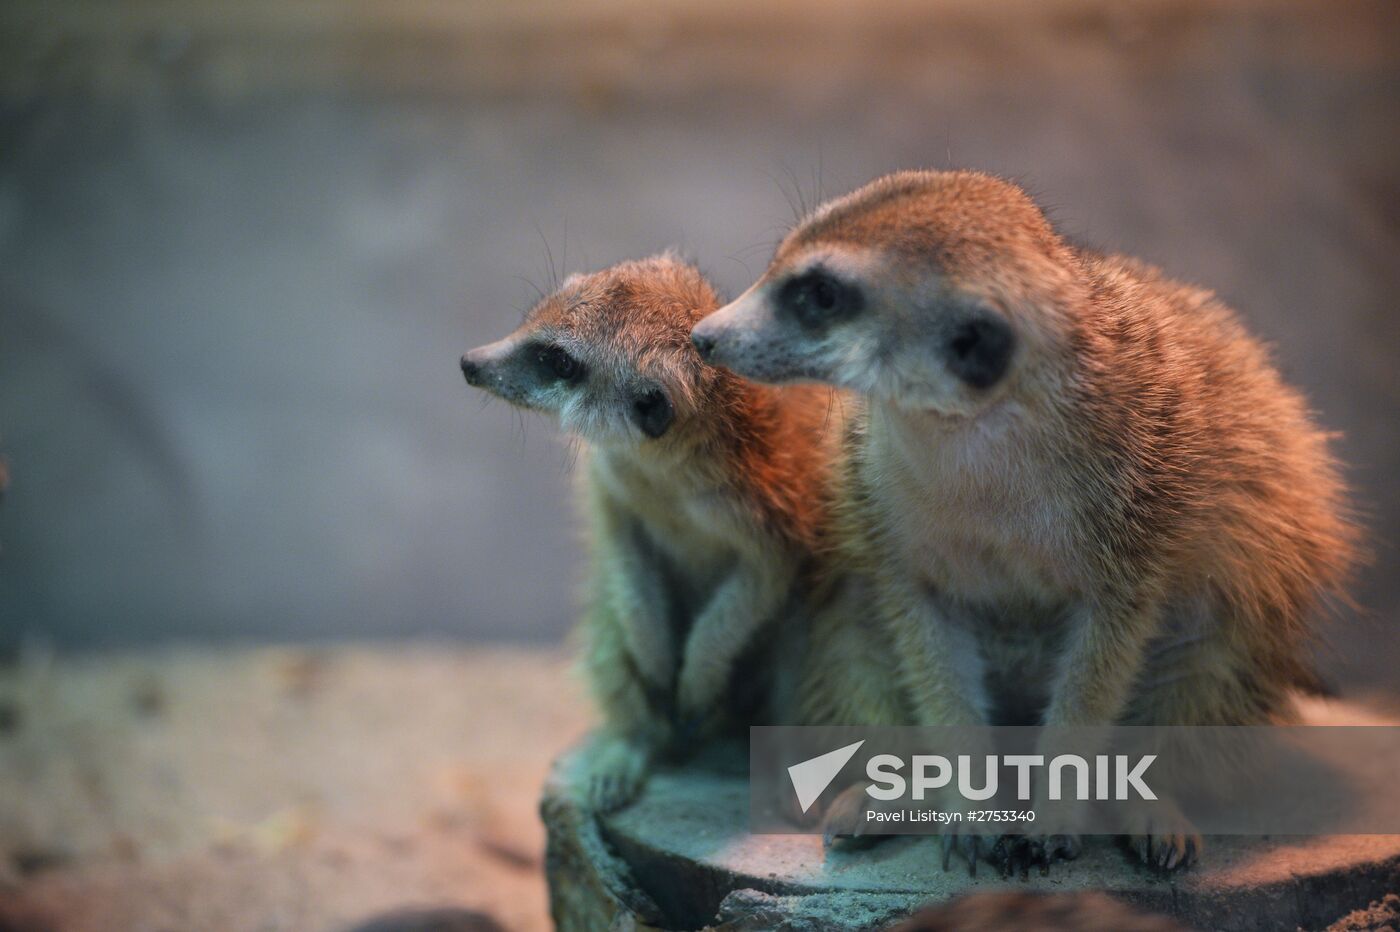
point(653, 412)
point(978, 349)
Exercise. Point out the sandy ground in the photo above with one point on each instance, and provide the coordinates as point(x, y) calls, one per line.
point(276, 788)
point(283, 788)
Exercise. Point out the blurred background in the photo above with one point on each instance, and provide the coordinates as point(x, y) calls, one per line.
point(242, 246)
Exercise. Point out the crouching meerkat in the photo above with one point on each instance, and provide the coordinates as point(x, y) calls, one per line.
point(705, 496)
point(1082, 492)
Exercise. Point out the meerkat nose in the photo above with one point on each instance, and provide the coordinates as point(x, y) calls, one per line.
point(704, 344)
point(472, 370)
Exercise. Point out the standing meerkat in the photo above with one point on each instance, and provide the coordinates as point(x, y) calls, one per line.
point(1083, 492)
point(705, 496)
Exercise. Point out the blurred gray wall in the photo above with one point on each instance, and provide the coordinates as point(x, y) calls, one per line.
point(243, 245)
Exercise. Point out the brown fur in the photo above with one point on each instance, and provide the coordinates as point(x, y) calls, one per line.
point(1171, 456)
point(1138, 522)
point(701, 536)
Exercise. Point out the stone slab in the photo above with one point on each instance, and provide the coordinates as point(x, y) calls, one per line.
point(681, 858)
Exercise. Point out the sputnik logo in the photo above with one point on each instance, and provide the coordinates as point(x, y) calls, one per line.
point(814, 775)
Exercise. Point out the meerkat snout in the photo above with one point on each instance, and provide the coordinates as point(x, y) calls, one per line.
point(471, 369)
point(743, 336)
point(493, 367)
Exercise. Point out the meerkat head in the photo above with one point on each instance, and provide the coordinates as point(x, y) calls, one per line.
point(925, 289)
point(608, 353)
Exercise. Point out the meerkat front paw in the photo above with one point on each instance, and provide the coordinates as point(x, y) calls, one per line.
point(953, 839)
point(968, 847)
point(845, 821)
point(611, 773)
point(1165, 840)
point(1017, 854)
point(1167, 851)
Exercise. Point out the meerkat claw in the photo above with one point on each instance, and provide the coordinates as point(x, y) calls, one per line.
point(844, 822)
point(1142, 847)
point(1168, 852)
point(836, 836)
point(1010, 855)
point(1035, 854)
point(1018, 853)
point(614, 771)
point(969, 846)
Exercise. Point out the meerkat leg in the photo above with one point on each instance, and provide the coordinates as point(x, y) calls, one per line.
point(940, 682)
point(752, 595)
point(629, 662)
point(845, 677)
point(631, 583)
point(1194, 676)
point(938, 672)
point(834, 670)
point(1099, 664)
point(615, 762)
point(1096, 673)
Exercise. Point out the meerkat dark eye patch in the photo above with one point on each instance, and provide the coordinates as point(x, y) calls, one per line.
point(817, 298)
point(559, 364)
point(652, 412)
point(979, 350)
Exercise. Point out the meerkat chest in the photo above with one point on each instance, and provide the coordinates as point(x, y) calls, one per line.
point(689, 524)
point(976, 520)
point(987, 549)
point(689, 534)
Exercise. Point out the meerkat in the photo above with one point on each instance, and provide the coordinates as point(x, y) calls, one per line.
point(704, 495)
point(1081, 489)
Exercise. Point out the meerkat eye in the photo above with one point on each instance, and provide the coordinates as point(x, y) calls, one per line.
point(979, 349)
point(652, 412)
point(557, 361)
point(816, 298)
